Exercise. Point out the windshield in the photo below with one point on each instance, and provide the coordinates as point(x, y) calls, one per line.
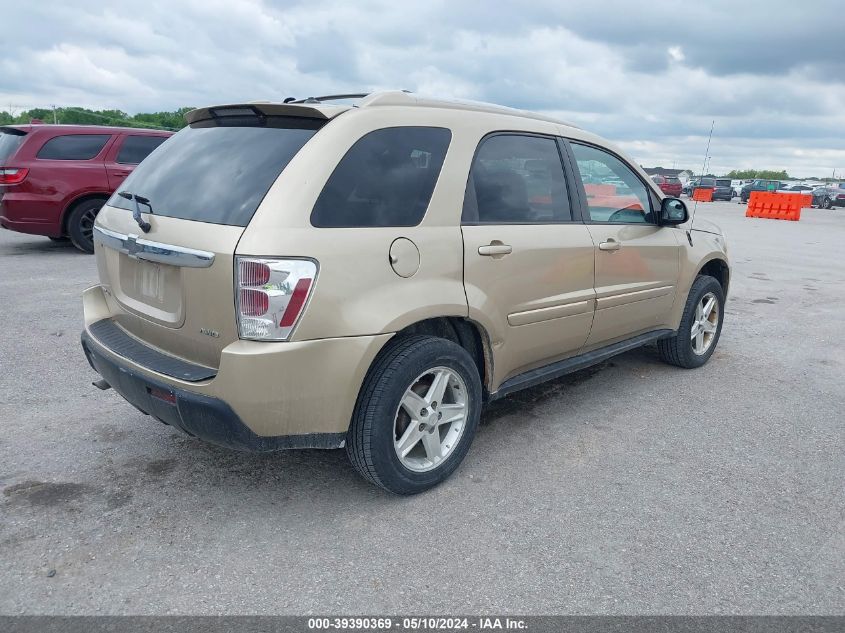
point(217, 171)
point(10, 141)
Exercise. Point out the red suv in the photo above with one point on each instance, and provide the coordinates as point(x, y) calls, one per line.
point(669, 185)
point(55, 178)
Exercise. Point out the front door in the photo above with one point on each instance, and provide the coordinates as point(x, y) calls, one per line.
point(637, 261)
point(528, 267)
point(125, 155)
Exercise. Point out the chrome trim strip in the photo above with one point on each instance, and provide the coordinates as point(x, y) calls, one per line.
point(153, 251)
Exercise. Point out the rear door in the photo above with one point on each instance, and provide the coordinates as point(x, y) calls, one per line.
point(172, 287)
point(637, 262)
point(528, 267)
point(126, 153)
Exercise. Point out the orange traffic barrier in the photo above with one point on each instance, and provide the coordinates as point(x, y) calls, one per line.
point(593, 189)
point(702, 195)
point(775, 206)
point(806, 200)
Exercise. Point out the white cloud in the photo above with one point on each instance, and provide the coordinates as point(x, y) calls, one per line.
point(650, 78)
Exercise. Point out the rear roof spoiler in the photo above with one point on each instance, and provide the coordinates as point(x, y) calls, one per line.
point(309, 111)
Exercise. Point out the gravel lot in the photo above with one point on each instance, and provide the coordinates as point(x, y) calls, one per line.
point(629, 488)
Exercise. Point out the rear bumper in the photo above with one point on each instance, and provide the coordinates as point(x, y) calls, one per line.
point(209, 419)
point(263, 396)
point(15, 217)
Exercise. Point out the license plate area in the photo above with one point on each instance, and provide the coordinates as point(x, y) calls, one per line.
point(150, 289)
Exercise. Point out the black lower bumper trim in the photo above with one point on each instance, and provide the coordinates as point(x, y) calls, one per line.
point(109, 335)
point(207, 418)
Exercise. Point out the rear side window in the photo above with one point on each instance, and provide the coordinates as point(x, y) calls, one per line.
point(73, 147)
point(385, 179)
point(218, 170)
point(9, 143)
point(516, 180)
point(137, 148)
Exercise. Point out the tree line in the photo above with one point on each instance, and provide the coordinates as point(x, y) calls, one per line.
point(174, 120)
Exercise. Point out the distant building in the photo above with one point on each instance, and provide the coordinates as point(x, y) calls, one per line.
point(683, 175)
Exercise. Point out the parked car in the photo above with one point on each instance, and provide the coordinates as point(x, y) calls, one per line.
point(376, 273)
point(759, 185)
point(723, 189)
point(55, 178)
point(796, 189)
point(669, 185)
point(827, 197)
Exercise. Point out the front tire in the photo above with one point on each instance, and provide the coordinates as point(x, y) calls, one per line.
point(826, 203)
point(700, 328)
point(80, 224)
point(416, 416)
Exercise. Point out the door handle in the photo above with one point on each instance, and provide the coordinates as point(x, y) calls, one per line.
point(610, 245)
point(495, 249)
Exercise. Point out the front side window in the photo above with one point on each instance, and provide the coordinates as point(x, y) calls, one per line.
point(614, 192)
point(137, 148)
point(517, 180)
point(385, 179)
point(73, 147)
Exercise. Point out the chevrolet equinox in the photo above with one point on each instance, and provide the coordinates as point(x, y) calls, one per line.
point(312, 274)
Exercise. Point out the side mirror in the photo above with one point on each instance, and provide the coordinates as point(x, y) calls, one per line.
point(673, 211)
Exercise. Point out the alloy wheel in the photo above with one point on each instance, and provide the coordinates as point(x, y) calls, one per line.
point(430, 420)
point(86, 224)
point(705, 325)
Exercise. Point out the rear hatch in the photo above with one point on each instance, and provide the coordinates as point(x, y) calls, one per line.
point(11, 139)
point(172, 287)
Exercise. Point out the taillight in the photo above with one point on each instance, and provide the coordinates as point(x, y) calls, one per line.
point(12, 175)
point(271, 296)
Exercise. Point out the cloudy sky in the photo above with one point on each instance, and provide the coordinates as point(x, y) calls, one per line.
point(652, 78)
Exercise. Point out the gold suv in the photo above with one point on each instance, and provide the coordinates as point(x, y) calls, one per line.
point(310, 274)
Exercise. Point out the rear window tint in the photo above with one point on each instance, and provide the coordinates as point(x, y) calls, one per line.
point(73, 147)
point(723, 183)
point(9, 143)
point(385, 179)
point(137, 148)
point(218, 171)
point(672, 180)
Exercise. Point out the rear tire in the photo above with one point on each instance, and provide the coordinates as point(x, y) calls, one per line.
point(80, 224)
point(825, 203)
point(698, 334)
point(398, 412)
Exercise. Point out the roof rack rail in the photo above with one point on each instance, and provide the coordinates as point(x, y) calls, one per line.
point(359, 95)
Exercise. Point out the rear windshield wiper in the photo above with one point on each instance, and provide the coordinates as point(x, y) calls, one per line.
point(136, 211)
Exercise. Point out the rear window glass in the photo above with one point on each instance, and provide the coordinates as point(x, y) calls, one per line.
point(672, 180)
point(137, 148)
point(9, 144)
point(218, 171)
point(73, 147)
point(723, 183)
point(706, 182)
point(385, 179)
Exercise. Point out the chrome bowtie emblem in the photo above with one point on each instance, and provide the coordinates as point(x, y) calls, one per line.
point(131, 245)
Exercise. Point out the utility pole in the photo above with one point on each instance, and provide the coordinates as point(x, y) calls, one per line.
point(55, 119)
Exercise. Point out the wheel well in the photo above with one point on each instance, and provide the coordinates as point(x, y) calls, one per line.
point(468, 334)
point(718, 269)
point(84, 198)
